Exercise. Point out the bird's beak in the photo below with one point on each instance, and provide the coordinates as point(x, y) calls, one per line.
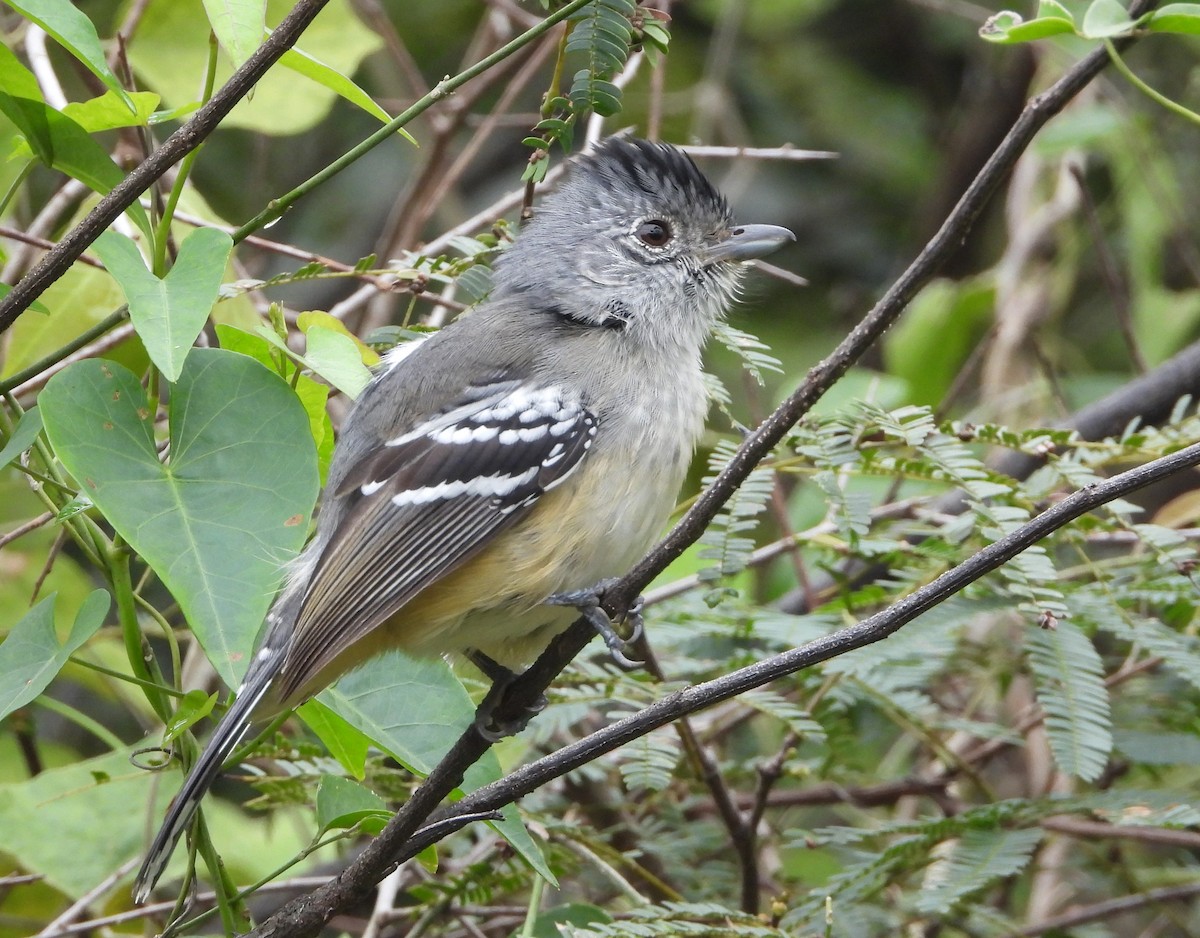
point(746, 242)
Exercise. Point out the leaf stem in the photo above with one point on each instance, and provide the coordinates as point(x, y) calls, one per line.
point(118, 571)
point(82, 720)
point(122, 676)
point(441, 90)
point(1173, 106)
point(162, 235)
point(86, 338)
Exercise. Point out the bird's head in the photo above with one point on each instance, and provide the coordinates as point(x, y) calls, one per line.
point(643, 242)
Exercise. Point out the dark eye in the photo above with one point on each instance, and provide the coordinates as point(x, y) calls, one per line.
point(655, 232)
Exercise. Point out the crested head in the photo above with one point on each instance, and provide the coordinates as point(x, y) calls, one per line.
point(655, 176)
point(634, 238)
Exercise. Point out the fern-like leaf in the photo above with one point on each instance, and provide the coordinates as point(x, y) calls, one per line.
point(726, 540)
point(978, 859)
point(675, 919)
point(649, 762)
point(1069, 677)
point(601, 32)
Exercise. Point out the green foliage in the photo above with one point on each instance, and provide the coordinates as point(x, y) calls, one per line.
point(169, 313)
point(31, 656)
point(976, 861)
point(679, 918)
point(1070, 689)
point(600, 35)
point(904, 787)
point(251, 472)
point(726, 541)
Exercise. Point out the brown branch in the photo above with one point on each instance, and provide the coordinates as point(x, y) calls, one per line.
point(1165, 836)
point(1105, 910)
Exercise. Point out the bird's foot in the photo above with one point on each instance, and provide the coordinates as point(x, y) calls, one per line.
point(587, 601)
point(486, 722)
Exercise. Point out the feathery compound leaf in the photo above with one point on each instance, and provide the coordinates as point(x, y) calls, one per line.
point(773, 704)
point(1180, 653)
point(978, 859)
point(1070, 688)
point(755, 354)
point(675, 919)
point(725, 540)
point(649, 762)
point(601, 32)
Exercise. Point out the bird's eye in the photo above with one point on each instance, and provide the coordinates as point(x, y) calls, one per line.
point(655, 232)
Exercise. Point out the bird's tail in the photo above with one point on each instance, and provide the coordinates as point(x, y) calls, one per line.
point(229, 732)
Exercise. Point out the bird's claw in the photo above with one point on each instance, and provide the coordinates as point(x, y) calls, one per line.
point(587, 601)
point(486, 724)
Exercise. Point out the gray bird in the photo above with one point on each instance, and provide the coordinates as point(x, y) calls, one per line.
point(524, 453)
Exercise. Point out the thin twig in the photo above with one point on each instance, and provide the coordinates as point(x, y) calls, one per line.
point(1106, 910)
point(34, 241)
point(1163, 836)
point(79, 906)
point(22, 529)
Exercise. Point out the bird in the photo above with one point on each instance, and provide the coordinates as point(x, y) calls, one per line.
point(517, 457)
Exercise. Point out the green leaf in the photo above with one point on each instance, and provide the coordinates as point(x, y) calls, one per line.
point(577, 914)
point(1106, 19)
point(1070, 688)
point(16, 79)
point(372, 699)
point(31, 656)
point(54, 138)
point(337, 359)
point(108, 112)
point(76, 824)
point(345, 743)
point(1159, 748)
point(1047, 8)
point(1175, 18)
point(228, 510)
point(169, 313)
point(342, 803)
point(979, 858)
point(313, 69)
point(172, 51)
point(378, 697)
point(312, 394)
point(193, 708)
point(238, 26)
point(929, 345)
point(24, 433)
point(1008, 27)
point(64, 21)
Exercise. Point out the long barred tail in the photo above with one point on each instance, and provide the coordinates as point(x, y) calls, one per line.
point(229, 733)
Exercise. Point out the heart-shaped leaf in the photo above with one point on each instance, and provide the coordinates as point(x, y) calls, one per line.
point(230, 506)
point(169, 313)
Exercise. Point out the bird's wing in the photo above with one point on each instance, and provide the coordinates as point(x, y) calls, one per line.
point(423, 502)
